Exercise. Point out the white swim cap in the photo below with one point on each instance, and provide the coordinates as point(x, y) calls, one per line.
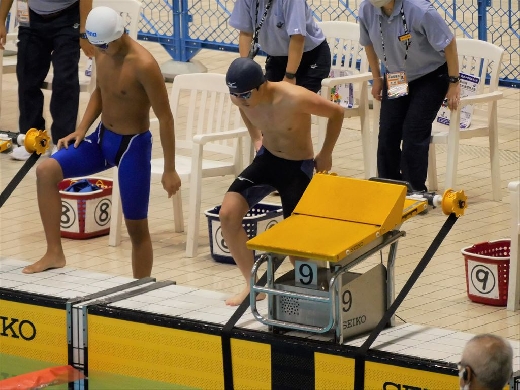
point(104, 25)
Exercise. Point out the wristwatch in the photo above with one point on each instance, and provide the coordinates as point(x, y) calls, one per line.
point(290, 75)
point(83, 35)
point(454, 79)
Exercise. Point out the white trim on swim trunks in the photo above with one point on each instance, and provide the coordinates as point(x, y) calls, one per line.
point(243, 178)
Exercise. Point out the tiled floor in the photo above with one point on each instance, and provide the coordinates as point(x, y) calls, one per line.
point(438, 299)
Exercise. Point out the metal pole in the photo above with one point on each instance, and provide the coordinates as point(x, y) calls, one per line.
point(482, 19)
point(177, 38)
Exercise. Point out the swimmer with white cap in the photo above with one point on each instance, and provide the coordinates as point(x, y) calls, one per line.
point(104, 26)
point(128, 83)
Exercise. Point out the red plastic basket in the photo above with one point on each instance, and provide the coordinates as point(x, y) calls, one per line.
point(85, 214)
point(487, 271)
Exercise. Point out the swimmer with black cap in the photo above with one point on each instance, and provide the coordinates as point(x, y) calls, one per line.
point(278, 117)
point(128, 83)
point(242, 78)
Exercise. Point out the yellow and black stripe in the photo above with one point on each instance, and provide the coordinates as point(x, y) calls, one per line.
point(190, 353)
point(33, 326)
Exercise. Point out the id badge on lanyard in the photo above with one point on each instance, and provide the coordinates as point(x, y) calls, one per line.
point(396, 82)
point(22, 12)
point(397, 85)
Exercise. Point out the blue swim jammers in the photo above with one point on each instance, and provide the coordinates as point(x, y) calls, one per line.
point(104, 149)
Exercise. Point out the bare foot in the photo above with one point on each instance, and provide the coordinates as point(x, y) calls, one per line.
point(48, 261)
point(239, 298)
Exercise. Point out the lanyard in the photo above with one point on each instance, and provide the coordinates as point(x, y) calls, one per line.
point(407, 41)
point(259, 25)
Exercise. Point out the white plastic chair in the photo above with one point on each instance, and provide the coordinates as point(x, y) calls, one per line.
point(513, 296)
point(129, 10)
point(212, 125)
point(476, 58)
point(347, 52)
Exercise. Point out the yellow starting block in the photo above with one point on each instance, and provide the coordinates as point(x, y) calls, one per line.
point(338, 223)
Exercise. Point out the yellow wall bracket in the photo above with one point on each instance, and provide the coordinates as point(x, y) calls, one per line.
point(4, 145)
point(36, 141)
point(454, 202)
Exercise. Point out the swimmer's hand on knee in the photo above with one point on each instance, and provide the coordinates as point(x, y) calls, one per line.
point(77, 137)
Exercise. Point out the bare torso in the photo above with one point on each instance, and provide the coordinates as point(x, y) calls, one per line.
point(125, 104)
point(286, 130)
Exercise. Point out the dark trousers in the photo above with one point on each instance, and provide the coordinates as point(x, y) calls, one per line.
point(49, 40)
point(409, 119)
point(314, 67)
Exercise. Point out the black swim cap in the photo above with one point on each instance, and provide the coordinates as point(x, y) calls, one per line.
point(244, 74)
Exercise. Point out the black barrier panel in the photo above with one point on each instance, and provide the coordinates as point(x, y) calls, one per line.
point(292, 367)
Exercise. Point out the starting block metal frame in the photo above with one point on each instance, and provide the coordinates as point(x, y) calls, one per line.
point(330, 299)
point(338, 224)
